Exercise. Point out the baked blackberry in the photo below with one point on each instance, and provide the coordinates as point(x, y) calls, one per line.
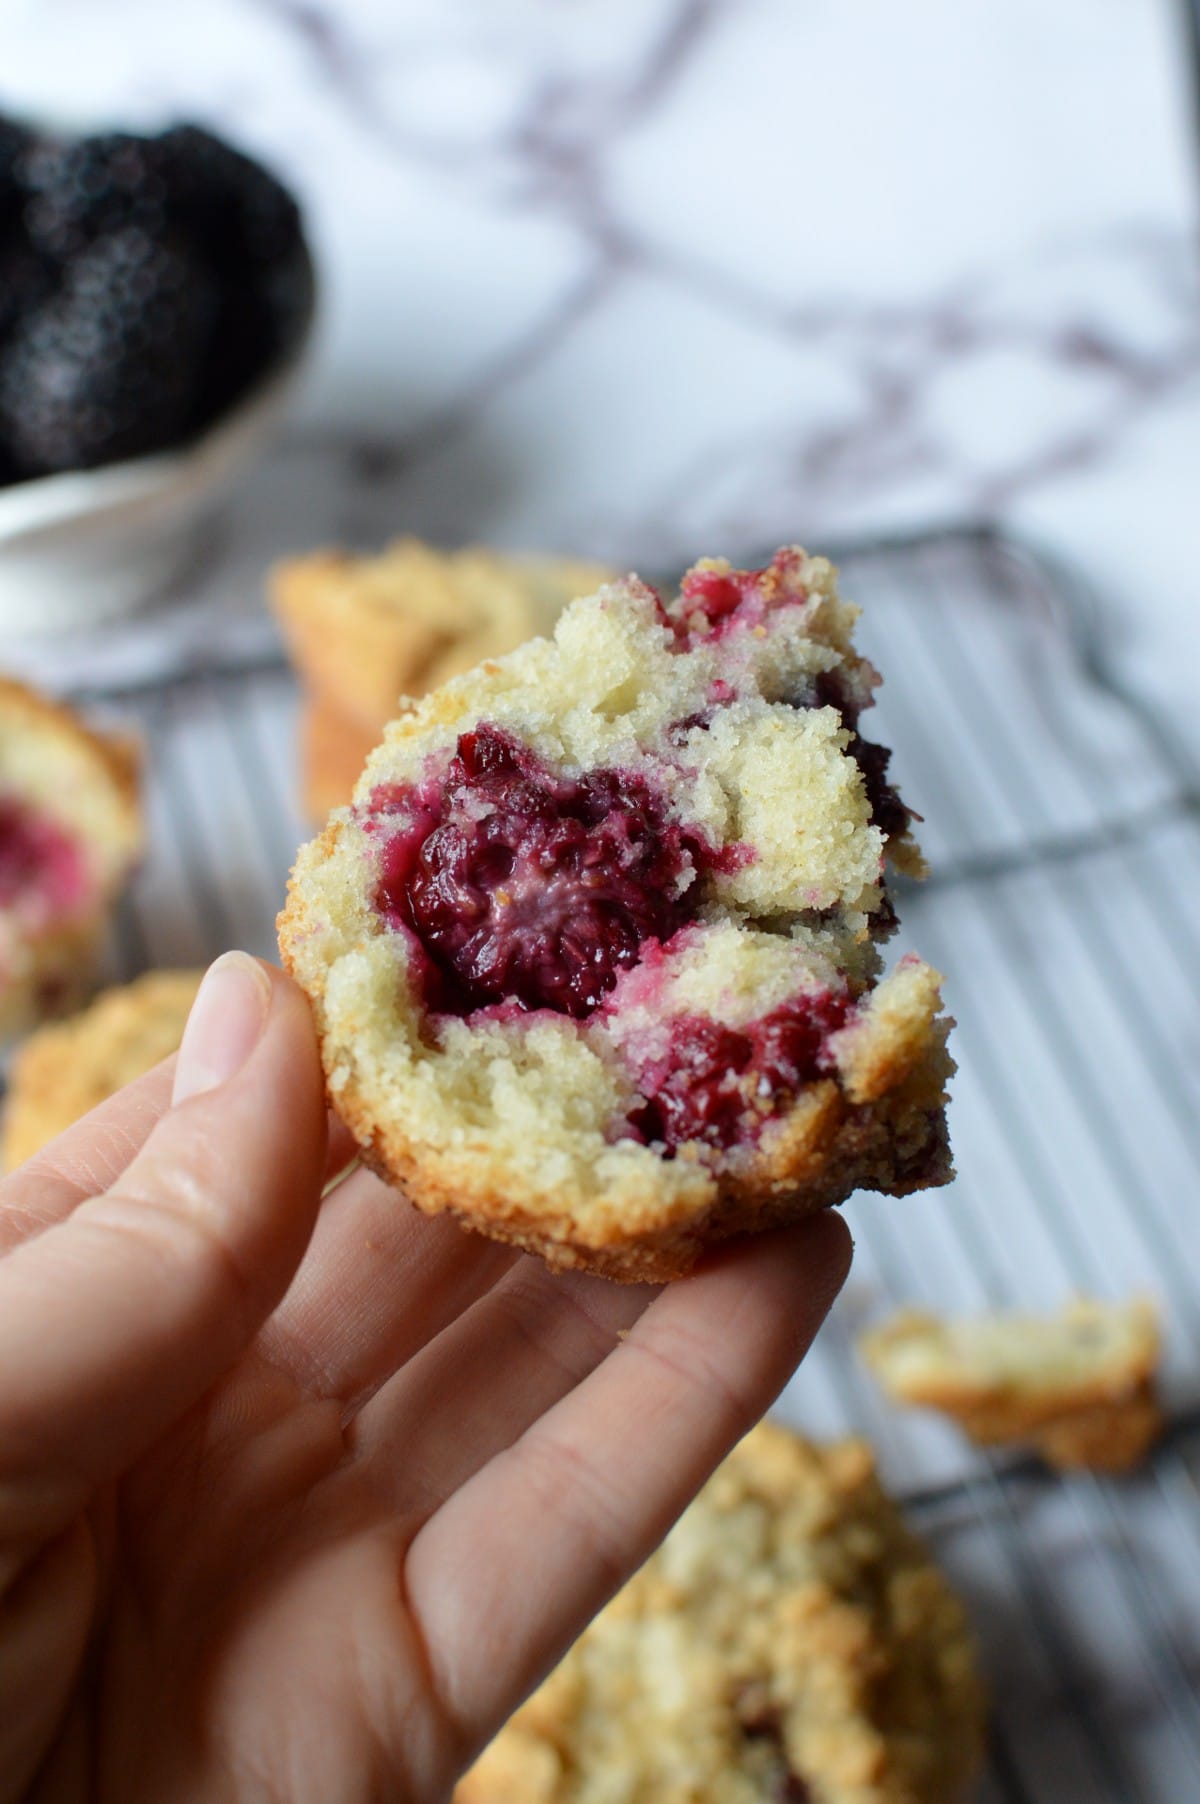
point(81, 189)
point(594, 954)
point(110, 367)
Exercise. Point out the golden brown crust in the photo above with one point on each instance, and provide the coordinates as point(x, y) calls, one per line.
point(63, 1071)
point(891, 1147)
point(359, 660)
point(1079, 1388)
point(363, 631)
point(119, 755)
point(55, 974)
point(790, 1633)
point(333, 749)
point(1113, 1436)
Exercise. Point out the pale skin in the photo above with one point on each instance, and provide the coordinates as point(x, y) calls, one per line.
point(299, 1498)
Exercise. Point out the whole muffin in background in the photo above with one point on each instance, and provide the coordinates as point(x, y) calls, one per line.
point(65, 1069)
point(791, 1642)
point(364, 631)
point(70, 834)
point(333, 749)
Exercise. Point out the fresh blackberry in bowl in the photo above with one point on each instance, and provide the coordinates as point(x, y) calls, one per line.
point(79, 189)
point(14, 141)
point(110, 366)
point(146, 285)
point(249, 227)
point(235, 207)
point(26, 281)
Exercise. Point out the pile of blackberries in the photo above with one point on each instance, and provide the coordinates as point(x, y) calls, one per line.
point(145, 284)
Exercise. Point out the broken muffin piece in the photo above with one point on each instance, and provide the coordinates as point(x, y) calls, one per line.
point(594, 953)
point(1079, 1387)
point(791, 1642)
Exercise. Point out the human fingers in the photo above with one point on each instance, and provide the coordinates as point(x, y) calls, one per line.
point(117, 1319)
point(342, 1150)
point(45, 1616)
point(85, 1159)
point(531, 1338)
point(508, 1571)
point(378, 1281)
point(91, 1154)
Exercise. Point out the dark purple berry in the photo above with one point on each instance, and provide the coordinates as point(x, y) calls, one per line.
point(249, 228)
point(26, 281)
point(718, 1085)
point(14, 142)
point(232, 204)
point(526, 887)
point(80, 189)
point(888, 812)
point(108, 368)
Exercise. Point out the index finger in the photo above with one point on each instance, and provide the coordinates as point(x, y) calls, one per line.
point(507, 1572)
point(85, 1160)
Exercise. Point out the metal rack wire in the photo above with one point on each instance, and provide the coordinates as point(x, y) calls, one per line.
point(1062, 832)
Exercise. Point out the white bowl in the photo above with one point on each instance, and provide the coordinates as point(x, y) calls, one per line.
point(92, 545)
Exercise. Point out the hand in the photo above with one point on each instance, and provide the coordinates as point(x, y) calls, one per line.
point(299, 1499)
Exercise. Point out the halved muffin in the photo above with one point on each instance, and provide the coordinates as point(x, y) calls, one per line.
point(594, 952)
point(70, 832)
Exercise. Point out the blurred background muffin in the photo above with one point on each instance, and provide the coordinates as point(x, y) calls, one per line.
point(70, 831)
point(363, 631)
point(68, 1067)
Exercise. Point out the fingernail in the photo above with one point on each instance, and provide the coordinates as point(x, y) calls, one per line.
point(225, 1024)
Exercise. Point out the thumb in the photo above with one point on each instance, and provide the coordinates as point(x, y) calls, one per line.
point(115, 1321)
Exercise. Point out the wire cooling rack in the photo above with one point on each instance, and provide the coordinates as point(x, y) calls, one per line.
point(1061, 826)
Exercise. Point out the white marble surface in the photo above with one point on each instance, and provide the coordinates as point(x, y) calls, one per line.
point(653, 277)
